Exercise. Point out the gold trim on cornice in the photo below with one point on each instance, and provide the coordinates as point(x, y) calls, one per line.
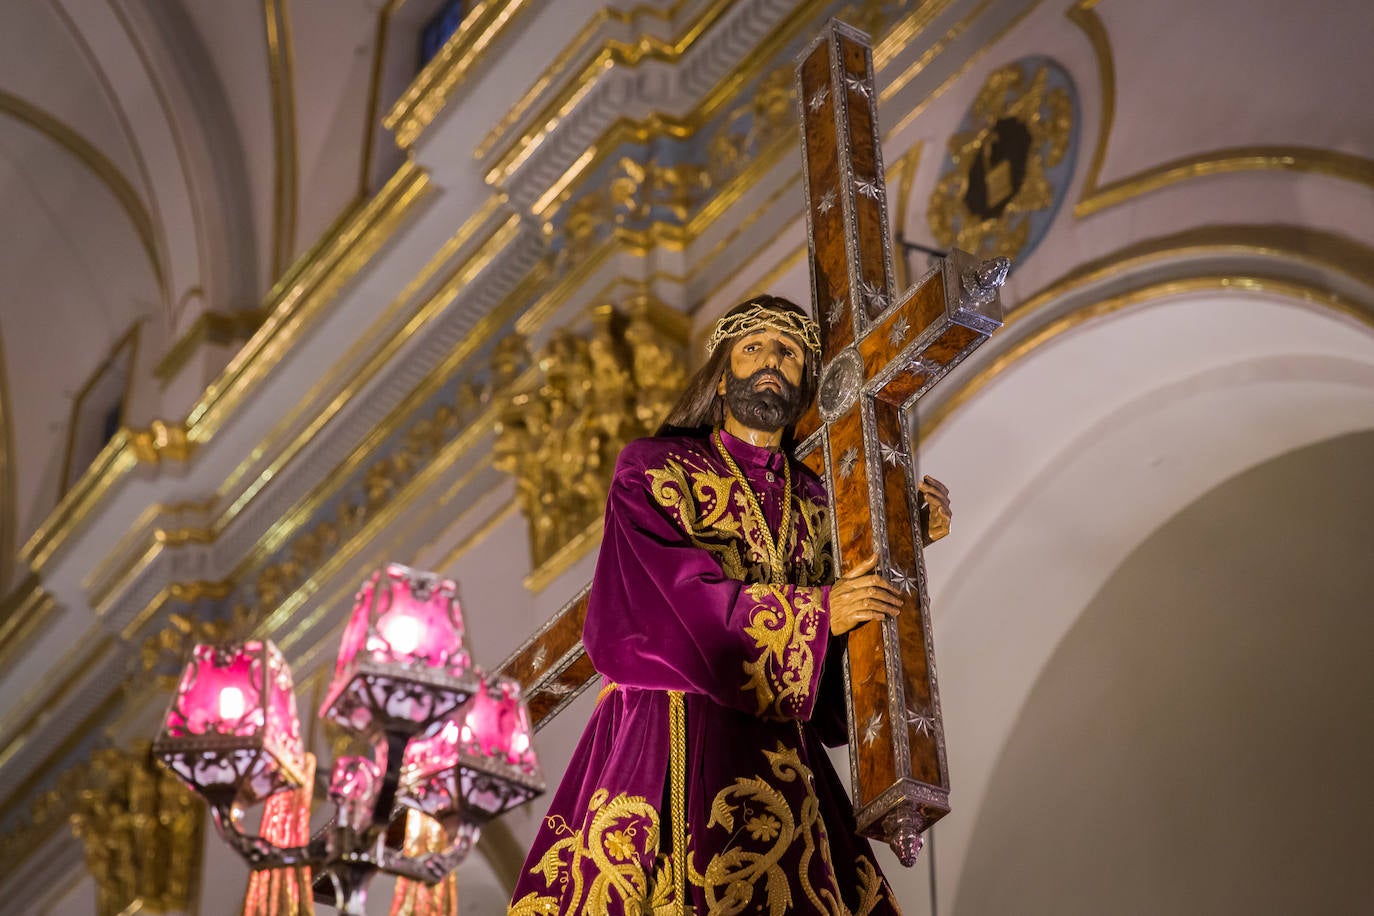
point(303, 292)
point(282, 75)
point(432, 307)
point(1313, 247)
point(105, 171)
point(23, 614)
point(371, 121)
point(612, 54)
point(210, 327)
point(38, 702)
point(451, 68)
point(1097, 197)
point(343, 371)
point(1333, 163)
point(1255, 283)
point(574, 49)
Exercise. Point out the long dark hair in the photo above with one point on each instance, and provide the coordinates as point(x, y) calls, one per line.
point(701, 409)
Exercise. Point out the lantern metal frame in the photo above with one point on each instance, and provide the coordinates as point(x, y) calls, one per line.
point(358, 842)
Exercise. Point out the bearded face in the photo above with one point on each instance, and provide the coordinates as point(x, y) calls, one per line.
point(756, 403)
point(762, 382)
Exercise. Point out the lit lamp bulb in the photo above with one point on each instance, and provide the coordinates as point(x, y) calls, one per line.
point(403, 633)
point(231, 704)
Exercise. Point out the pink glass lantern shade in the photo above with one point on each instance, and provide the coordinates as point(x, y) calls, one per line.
point(353, 787)
point(481, 764)
point(402, 664)
point(231, 732)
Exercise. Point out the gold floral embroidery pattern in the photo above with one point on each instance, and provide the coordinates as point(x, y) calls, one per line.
point(783, 631)
point(714, 513)
point(620, 837)
point(756, 809)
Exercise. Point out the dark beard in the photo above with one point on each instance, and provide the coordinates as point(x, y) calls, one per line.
point(766, 409)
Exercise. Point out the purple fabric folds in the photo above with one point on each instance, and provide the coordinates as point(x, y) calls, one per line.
point(708, 733)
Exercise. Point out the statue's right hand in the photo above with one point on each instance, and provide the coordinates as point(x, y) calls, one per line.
point(860, 596)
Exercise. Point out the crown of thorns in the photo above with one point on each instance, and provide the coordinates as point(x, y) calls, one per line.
point(760, 316)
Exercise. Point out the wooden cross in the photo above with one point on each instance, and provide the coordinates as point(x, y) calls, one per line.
point(880, 354)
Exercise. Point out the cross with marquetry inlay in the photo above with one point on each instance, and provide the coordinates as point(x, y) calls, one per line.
point(880, 354)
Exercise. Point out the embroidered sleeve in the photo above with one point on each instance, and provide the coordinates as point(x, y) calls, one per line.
point(671, 607)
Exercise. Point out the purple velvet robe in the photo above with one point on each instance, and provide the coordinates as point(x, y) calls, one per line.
point(719, 691)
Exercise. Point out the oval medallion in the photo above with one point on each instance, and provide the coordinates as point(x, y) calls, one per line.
point(840, 385)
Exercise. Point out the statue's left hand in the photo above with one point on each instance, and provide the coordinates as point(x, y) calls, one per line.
point(936, 514)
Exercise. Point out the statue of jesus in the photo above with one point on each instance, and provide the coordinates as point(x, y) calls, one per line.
point(701, 785)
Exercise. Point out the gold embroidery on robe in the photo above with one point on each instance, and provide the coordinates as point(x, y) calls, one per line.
point(715, 514)
point(619, 837)
point(762, 828)
point(783, 631)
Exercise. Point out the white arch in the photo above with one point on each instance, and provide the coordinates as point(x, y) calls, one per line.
point(1069, 459)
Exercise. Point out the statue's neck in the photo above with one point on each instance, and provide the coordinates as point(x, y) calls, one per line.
point(763, 438)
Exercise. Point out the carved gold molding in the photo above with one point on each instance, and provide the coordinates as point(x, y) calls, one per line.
point(566, 412)
point(1097, 197)
point(282, 77)
point(141, 830)
point(580, 45)
point(105, 171)
point(444, 76)
point(613, 54)
point(210, 327)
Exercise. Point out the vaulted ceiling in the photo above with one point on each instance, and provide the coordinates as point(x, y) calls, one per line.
point(161, 160)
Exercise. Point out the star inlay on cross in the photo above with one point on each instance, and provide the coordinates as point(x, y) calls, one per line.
point(873, 728)
point(874, 298)
point(920, 363)
point(848, 461)
point(921, 722)
point(900, 329)
point(817, 101)
point(858, 86)
point(827, 201)
point(836, 313)
point(868, 188)
point(902, 580)
point(892, 454)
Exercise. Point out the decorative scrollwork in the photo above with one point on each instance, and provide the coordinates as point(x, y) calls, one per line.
point(141, 830)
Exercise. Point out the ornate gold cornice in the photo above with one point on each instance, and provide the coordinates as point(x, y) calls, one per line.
point(210, 327)
point(282, 76)
point(105, 171)
point(1097, 197)
point(612, 54)
point(444, 76)
point(574, 50)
